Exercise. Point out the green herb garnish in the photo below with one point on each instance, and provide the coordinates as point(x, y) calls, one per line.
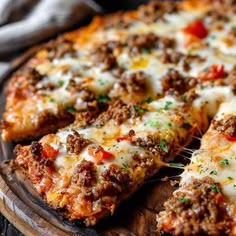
point(70, 108)
point(139, 109)
point(183, 199)
point(214, 172)
point(224, 162)
point(167, 105)
point(163, 146)
point(153, 123)
point(215, 188)
point(148, 100)
point(60, 82)
point(103, 98)
point(124, 167)
point(51, 100)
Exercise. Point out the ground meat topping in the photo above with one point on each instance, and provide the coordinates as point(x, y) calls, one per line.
point(36, 149)
point(173, 79)
point(138, 43)
point(85, 174)
point(119, 112)
point(155, 10)
point(105, 54)
point(153, 143)
point(196, 209)
point(227, 126)
point(117, 175)
point(134, 82)
point(75, 143)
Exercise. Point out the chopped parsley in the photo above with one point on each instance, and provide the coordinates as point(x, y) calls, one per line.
point(184, 98)
point(213, 172)
point(51, 100)
point(187, 126)
point(230, 178)
point(224, 162)
point(148, 100)
point(124, 167)
point(70, 108)
point(101, 82)
point(214, 187)
point(163, 146)
point(103, 98)
point(183, 199)
point(167, 105)
point(60, 83)
point(169, 124)
point(153, 123)
point(139, 109)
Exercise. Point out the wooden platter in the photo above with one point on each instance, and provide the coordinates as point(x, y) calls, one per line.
point(21, 205)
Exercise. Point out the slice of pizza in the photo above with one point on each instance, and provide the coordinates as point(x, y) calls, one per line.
point(86, 173)
point(130, 56)
point(205, 201)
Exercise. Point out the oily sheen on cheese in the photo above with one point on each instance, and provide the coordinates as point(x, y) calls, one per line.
point(119, 99)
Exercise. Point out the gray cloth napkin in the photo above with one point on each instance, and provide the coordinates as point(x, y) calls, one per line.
point(27, 22)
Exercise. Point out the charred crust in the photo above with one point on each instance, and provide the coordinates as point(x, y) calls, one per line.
point(75, 143)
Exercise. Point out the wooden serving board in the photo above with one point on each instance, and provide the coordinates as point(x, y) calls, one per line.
point(20, 204)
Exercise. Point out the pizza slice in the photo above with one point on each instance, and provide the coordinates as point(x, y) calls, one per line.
point(86, 173)
point(205, 201)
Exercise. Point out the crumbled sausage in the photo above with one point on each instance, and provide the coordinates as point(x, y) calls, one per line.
point(75, 143)
point(134, 82)
point(36, 149)
point(141, 42)
point(85, 174)
point(155, 10)
point(117, 175)
point(105, 54)
point(119, 112)
point(173, 79)
point(195, 209)
point(152, 143)
point(226, 126)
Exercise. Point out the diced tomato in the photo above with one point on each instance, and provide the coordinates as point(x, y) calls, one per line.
point(196, 28)
point(228, 137)
point(124, 138)
point(219, 197)
point(214, 72)
point(100, 154)
point(49, 152)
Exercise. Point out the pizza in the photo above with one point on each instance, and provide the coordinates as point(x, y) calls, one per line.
point(117, 100)
point(205, 201)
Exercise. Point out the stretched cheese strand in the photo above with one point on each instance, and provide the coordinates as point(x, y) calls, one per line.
point(210, 175)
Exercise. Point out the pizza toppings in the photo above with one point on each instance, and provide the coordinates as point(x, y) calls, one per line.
point(195, 209)
point(197, 29)
point(213, 72)
point(174, 80)
point(85, 174)
point(75, 143)
point(227, 127)
point(99, 154)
